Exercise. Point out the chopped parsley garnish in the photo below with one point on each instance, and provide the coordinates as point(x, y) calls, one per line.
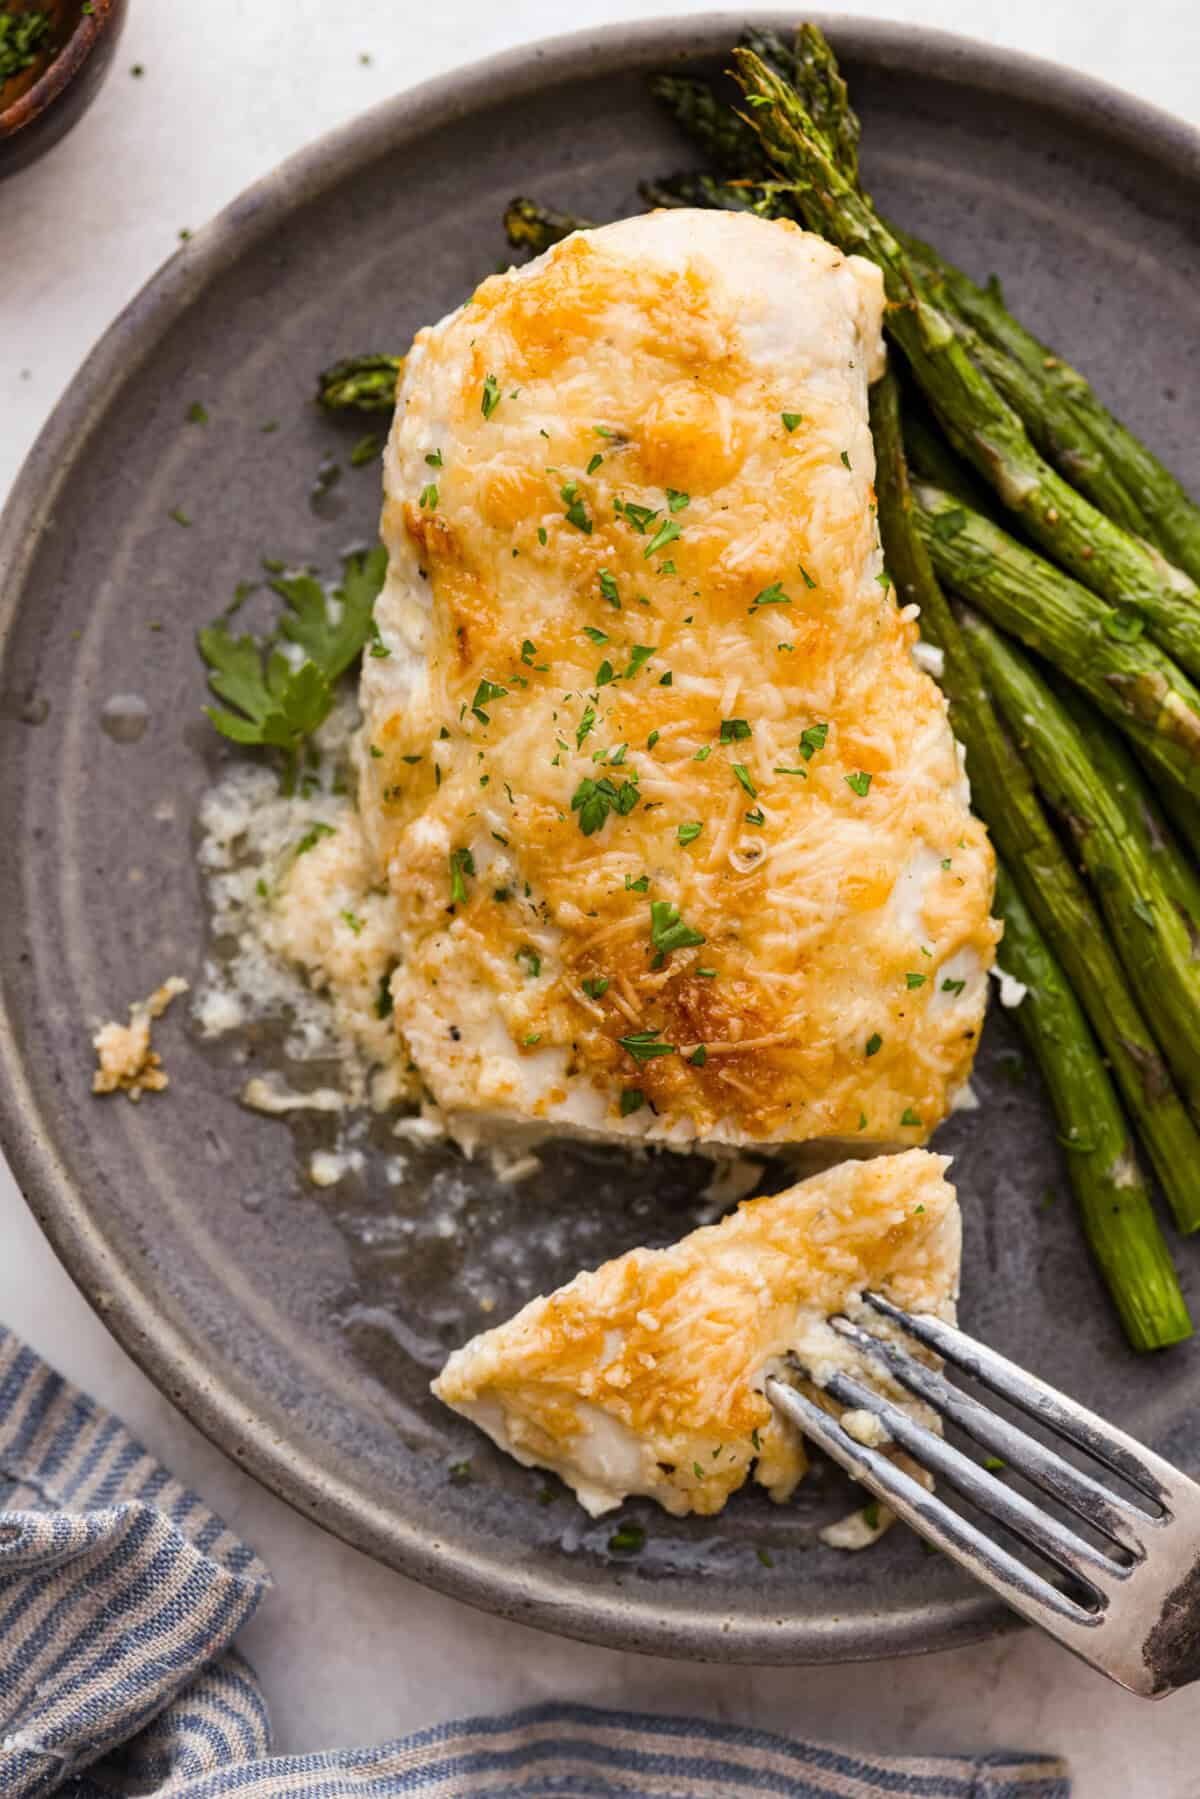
point(668, 931)
point(764, 1555)
point(627, 1539)
point(676, 501)
point(275, 704)
point(743, 776)
point(366, 449)
point(870, 1514)
point(909, 1119)
point(639, 655)
point(585, 725)
point(180, 516)
point(667, 532)
point(608, 587)
point(594, 800)
point(485, 693)
point(378, 648)
point(528, 652)
point(791, 420)
point(577, 512)
point(770, 596)
point(667, 680)
point(703, 754)
point(596, 635)
point(604, 674)
point(806, 577)
point(645, 1046)
point(689, 833)
point(812, 739)
point(637, 516)
point(428, 497)
point(354, 921)
point(596, 986)
point(632, 1100)
point(197, 414)
point(859, 782)
point(652, 740)
point(757, 817)
point(383, 999)
point(462, 863)
point(594, 464)
point(529, 960)
point(459, 1472)
point(434, 459)
point(874, 1044)
point(915, 980)
point(845, 459)
point(1124, 624)
point(641, 885)
point(22, 40)
point(541, 534)
point(491, 397)
point(948, 524)
point(699, 1056)
point(313, 836)
point(949, 986)
point(735, 730)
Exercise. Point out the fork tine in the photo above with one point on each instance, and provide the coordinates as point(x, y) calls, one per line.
point(1022, 1588)
point(1108, 1512)
point(1149, 1473)
point(1042, 1532)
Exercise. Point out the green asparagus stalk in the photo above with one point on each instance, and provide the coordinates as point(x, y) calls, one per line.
point(1070, 424)
point(1062, 413)
point(531, 226)
point(1099, 648)
point(980, 423)
point(360, 384)
point(725, 139)
point(931, 460)
point(1091, 784)
point(1003, 794)
point(712, 194)
point(1114, 1204)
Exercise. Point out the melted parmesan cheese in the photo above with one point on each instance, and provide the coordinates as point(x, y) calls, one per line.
point(646, 1376)
point(608, 544)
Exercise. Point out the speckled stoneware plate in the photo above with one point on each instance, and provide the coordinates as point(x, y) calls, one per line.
point(300, 1327)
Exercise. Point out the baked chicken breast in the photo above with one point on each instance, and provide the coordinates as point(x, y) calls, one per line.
point(645, 1377)
point(678, 832)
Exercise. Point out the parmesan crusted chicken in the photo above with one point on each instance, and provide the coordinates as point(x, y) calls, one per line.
point(646, 1376)
point(678, 831)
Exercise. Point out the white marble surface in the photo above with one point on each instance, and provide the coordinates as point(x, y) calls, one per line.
point(350, 1653)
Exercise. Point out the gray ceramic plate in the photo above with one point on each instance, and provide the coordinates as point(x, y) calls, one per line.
point(300, 1328)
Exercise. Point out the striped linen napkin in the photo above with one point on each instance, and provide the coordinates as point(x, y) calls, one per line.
point(120, 1596)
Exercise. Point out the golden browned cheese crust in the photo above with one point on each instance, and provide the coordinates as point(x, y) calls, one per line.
point(636, 586)
point(646, 1376)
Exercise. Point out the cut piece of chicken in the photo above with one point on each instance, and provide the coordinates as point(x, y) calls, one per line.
point(645, 1377)
point(679, 833)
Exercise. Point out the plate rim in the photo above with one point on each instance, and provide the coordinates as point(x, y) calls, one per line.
point(221, 1405)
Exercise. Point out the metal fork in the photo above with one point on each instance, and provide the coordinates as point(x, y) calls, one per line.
point(1131, 1606)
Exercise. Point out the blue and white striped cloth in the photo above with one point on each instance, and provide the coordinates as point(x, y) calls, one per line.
point(120, 1596)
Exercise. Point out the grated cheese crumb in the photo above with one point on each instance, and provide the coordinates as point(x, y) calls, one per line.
point(126, 1061)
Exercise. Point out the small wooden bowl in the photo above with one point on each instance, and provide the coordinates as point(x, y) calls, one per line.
point(41, 104)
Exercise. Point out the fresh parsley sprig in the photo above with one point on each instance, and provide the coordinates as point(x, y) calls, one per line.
point(269, 701)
